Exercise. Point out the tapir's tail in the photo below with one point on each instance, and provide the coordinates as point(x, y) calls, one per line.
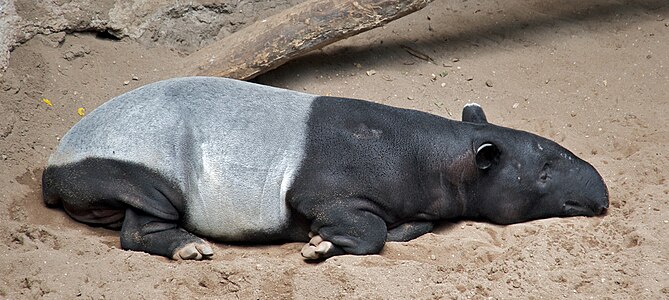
point(49, 195)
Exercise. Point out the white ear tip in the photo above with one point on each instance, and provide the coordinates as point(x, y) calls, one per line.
point(472, 104)
point(483, 146)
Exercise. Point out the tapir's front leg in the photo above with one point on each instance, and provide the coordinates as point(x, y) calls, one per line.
point(409, 231)
point(343, 229)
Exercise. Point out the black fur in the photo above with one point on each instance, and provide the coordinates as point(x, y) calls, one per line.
point(369, 168)
point(373, 173)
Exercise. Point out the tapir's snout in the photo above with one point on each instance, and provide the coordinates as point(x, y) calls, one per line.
point(599, 195)
point(593, 201)
point(601, 205)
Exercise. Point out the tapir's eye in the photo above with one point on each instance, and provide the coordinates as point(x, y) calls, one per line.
point(544, 176)
point(545, 173)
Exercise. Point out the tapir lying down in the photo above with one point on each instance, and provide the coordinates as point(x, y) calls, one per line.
point(241, 162)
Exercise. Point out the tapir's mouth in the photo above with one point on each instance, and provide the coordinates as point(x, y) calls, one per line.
point(573, 208)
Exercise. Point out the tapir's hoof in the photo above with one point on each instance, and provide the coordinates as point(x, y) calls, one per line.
point(316, 248)
point(193, 251)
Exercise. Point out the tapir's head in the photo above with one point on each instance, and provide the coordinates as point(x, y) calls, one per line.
point(522, 176)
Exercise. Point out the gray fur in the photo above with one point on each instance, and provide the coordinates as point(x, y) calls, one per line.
point(232, 147)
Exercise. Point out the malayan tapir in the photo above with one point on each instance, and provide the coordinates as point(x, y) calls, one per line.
point(241, 162)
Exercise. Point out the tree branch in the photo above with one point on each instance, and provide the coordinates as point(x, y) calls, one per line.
point(311, 25)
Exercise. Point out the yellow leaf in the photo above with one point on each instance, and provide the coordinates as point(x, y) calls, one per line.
point(81, 111)
point(47, 101)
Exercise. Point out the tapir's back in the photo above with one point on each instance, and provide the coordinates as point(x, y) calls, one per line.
point(230, 146)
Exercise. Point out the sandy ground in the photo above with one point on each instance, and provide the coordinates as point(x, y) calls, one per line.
point(592, 75)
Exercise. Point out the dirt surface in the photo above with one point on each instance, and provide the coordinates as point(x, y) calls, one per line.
point(591, 75)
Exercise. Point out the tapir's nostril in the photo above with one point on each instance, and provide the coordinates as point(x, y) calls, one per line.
point(601, 206)
point(603, 211)
point(605, 206)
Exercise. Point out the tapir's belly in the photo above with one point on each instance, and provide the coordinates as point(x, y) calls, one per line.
point(241, 196)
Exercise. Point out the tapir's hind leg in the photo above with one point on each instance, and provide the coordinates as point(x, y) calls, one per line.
point(154, 235)
point(142, 203)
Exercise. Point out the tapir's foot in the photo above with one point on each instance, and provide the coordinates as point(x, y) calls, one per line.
point(193, 251)
point(316, 248)
point(143, 232)
point(341, 233)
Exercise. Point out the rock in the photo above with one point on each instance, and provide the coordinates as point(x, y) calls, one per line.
point(75, 52)
point(54, 40)
point(184, 26)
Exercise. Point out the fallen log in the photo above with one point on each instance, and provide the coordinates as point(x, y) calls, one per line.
point(269, 43)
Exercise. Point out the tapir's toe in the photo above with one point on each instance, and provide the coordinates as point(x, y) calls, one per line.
point(193, 251)
point(316, 248)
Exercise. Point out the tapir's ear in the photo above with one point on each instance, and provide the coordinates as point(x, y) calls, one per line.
point(473, 113)
point(486, 155)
